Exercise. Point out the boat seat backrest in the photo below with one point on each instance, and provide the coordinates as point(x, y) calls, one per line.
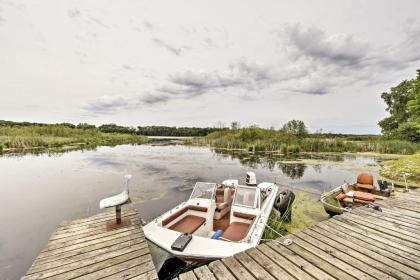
point(183, 210)
point(365, 179)
point(227, 197)
point(245, 216)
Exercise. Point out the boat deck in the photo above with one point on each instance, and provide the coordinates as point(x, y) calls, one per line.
point(85, 249)
point(362, 244)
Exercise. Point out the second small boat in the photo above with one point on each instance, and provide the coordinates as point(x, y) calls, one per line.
point(347, 196)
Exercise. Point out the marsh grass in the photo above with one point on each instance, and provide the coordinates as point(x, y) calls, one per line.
point(59, 135)
point(258, 139)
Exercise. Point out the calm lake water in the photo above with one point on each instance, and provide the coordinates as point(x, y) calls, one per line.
point(40, 191)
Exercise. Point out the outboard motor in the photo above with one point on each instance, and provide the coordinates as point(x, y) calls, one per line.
point(251, 179)
point(383, 185)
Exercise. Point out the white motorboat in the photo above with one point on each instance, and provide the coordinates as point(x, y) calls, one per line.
point(217, 221)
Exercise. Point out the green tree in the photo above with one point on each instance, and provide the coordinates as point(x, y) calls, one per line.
point(296, 127)
point(396, 101)
point(414, 102)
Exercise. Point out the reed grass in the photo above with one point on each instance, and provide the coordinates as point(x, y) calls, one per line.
point(59, 135)
point(258, 139)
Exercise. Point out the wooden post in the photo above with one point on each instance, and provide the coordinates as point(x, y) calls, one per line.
point(118, 213)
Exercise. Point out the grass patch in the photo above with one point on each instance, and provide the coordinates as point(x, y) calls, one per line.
point(306, 212)
point(409, 165)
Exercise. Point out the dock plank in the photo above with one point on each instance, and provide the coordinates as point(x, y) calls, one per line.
point(361, 244)
point(85, 249)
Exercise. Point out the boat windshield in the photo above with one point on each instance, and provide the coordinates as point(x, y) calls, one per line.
point(246, 196)
point(203, 190)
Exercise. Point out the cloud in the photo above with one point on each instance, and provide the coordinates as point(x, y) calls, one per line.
point(341, 49)
point(74, 13)
point(176, 51)
point(148, 25)
point(340, 60)
point(311, 61)
point(107, 104)
point(243, 76)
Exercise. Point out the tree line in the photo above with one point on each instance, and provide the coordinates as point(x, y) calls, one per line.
point(114, 128)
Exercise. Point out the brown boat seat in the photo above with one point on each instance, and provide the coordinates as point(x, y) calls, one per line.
point(361, 201)
point(189, 224)
point(365, 181)
point(363, 196)
point(236, 231)
point(365, 187)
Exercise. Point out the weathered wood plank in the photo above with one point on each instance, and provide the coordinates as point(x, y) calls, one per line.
point(360, 264)
point(67, 229)
point(381, 270)
point(374, 245)
point(252, 266)
point(299, 261)
point(283, 262)
point(101, 216)
point(220, 271)
point(204, 273)
point(408, 239)
point(329, 257)
point(387, 217)
point(389, 225)
point(84, 249)
point(54, 245)
point(269, 265)
point(392, 241)
point(187, 276)
point(123, 270)
point(37, 267)
point(237, 269)
point(62, 270)
point(87, 232)
point(150, 275)
point(397, 270)
point(89, 243)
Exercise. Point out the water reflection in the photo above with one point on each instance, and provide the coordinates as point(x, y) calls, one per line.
point(43, 189)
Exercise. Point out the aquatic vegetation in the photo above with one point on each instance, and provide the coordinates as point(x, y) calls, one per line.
point(306, 212)
point(49, 136)
point(396, 169)
point(254, 139)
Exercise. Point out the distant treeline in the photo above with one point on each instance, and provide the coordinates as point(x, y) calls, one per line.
point(113, 128)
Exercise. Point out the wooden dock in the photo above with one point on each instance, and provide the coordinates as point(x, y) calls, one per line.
point(85, 249)
point(362, 244)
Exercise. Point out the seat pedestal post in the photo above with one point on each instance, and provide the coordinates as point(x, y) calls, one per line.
point(118, 214)
point(118, 222)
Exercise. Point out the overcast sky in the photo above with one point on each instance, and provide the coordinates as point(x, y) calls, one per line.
point(194, 63)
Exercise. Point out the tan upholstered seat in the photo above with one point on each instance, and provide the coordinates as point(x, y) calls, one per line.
point(236, 231)
point(224, 204)
point(189, 224)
